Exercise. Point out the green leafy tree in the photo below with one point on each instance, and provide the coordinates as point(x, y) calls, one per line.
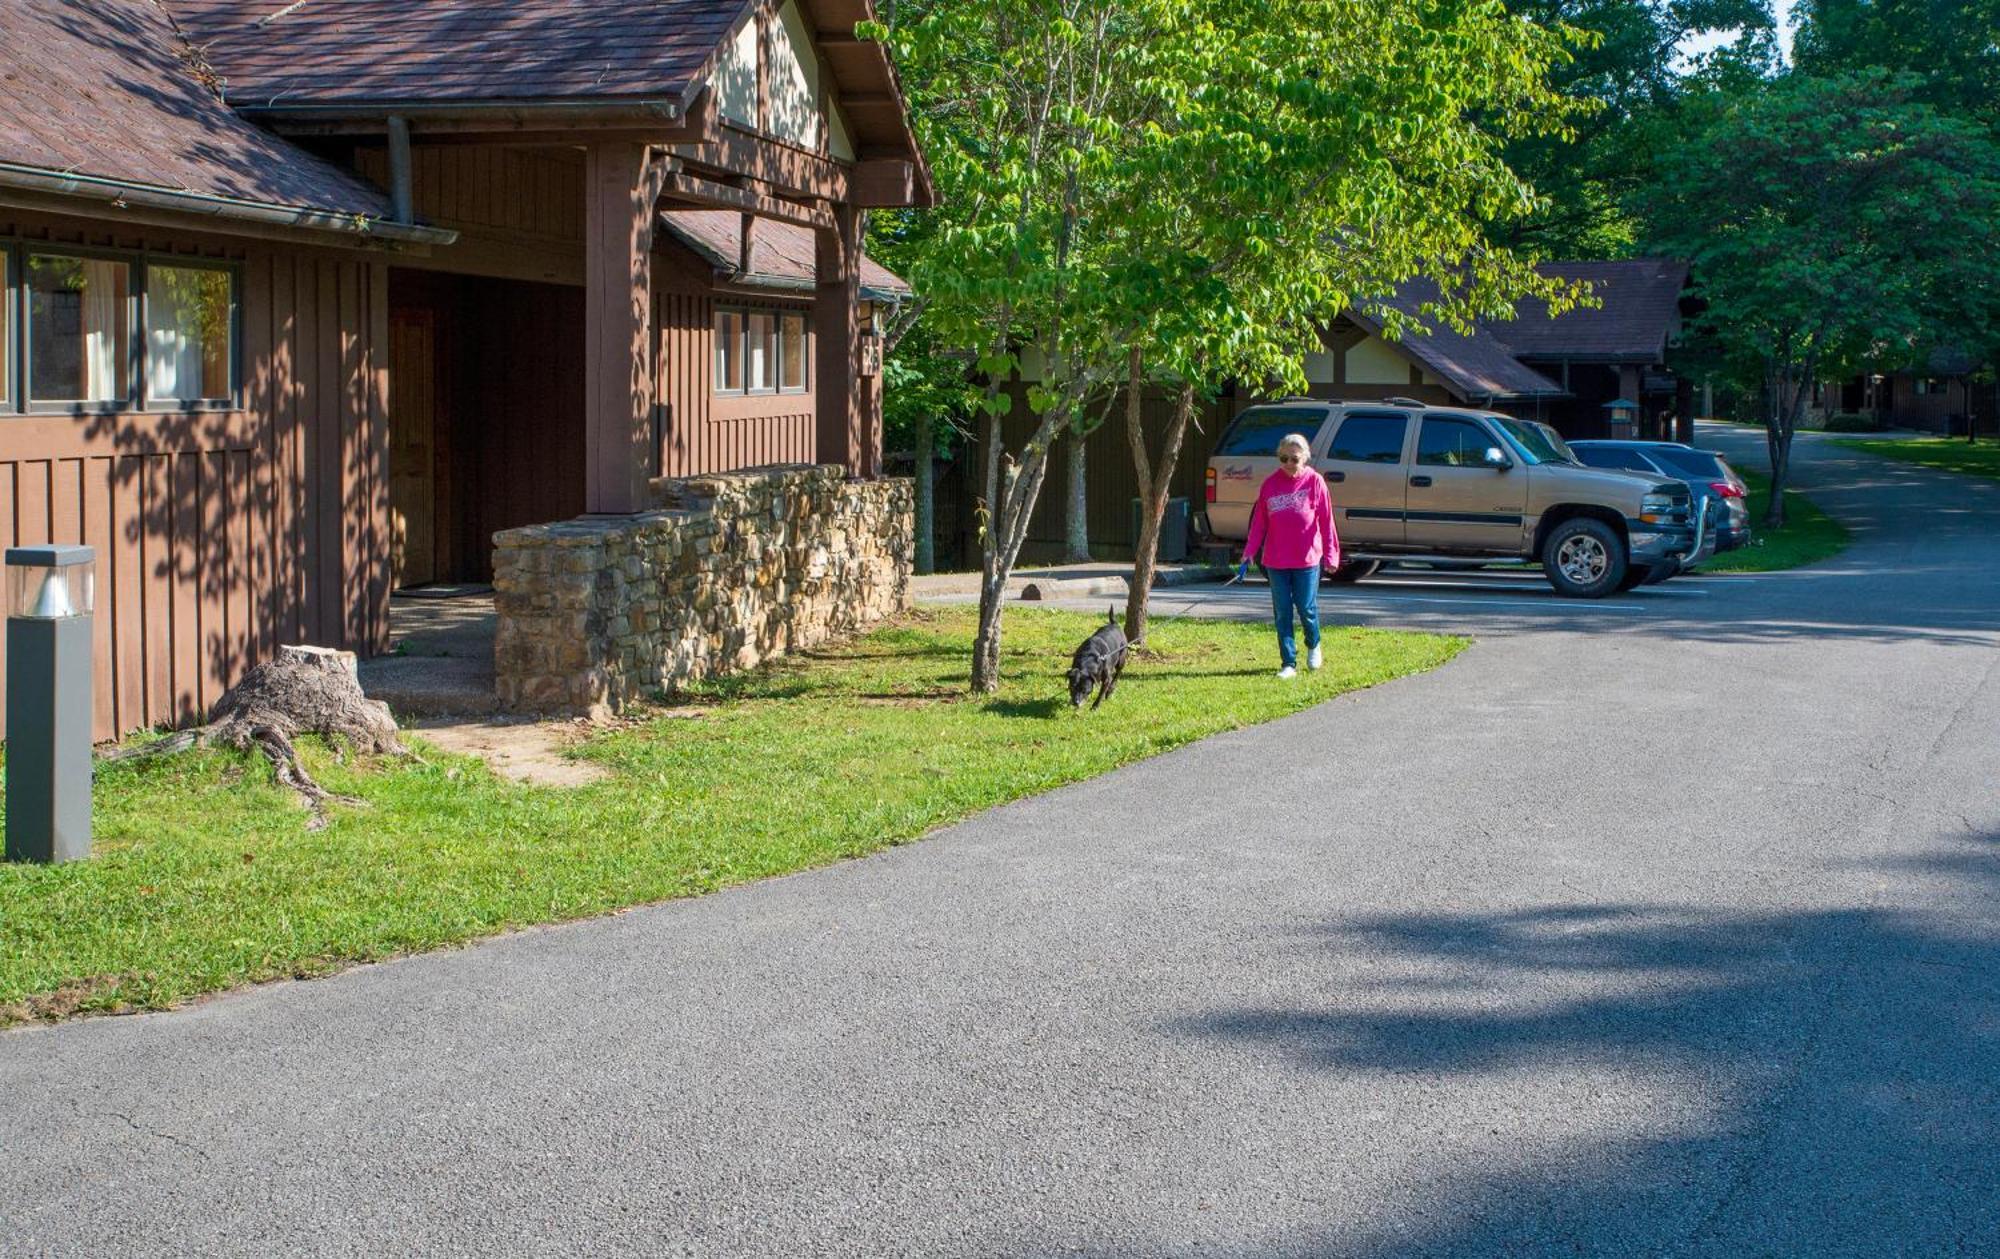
point(1181, 191)
point(1825, 218)
point(1625, 70)
point(1950, 47)
point(1297, 161)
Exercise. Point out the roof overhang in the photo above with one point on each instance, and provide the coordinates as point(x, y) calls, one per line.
point(67, 191)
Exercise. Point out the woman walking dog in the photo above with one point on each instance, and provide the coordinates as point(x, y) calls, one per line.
point(1293, 524)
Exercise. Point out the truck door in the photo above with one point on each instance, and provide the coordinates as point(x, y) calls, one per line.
point(1363, 467)
point(1457, 500)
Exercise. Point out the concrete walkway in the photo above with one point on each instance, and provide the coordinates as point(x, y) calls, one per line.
point(1666, 932)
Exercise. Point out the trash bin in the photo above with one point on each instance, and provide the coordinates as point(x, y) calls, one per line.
point(1173, 530)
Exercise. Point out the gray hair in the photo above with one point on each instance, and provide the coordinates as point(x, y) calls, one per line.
point(1290, 440)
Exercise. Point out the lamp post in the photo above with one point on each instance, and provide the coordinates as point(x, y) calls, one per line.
point(1620, 417)
point(50, 594)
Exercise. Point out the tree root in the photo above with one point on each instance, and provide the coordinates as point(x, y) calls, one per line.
point(305, 690)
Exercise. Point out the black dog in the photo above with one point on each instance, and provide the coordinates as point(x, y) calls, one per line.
point(1098, 662)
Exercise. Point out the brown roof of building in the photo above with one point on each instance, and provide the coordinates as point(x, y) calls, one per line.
point(1640, 309)
point(102, 88)
point(1475, 365)
point(334, 52)
point(782, 255)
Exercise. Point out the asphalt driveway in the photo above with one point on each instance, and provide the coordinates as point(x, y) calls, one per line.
point(1664, 926)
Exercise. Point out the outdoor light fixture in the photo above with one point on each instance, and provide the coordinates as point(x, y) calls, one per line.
point(51, 592)
point(1621, 415)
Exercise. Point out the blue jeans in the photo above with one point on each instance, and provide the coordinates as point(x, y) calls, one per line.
point(1294, 587)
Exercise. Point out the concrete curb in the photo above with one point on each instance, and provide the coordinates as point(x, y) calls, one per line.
point(1049, 589)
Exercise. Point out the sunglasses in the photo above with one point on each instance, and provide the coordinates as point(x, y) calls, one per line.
point(1292, 458)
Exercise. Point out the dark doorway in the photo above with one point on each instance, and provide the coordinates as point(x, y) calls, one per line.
point(485, 417)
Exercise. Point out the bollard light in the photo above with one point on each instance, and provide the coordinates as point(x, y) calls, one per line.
point(51, 592)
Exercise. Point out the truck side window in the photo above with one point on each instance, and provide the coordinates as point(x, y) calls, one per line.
point(1259, 430)
point(1370, 439)
point(1449, 443)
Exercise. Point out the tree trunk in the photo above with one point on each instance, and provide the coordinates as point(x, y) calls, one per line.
point(1076, 517)
point(1155, 481)
point(1778, 446)
point(926, 524)
point(1010, 507)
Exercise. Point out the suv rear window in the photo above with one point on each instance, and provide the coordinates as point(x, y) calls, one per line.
point(1694, 463)
point(1370, 439)
point(1259, 430)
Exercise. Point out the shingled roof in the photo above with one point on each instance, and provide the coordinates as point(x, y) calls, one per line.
point(1640, 308)
point(347, 52)
point(1475, 364)
point(781, 255)
point(1638, 311)
point(105, 90)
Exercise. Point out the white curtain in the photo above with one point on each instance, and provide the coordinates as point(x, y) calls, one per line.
point(173, 341)
point(103, 331)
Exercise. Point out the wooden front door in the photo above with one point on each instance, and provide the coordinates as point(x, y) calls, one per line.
point(413, 446)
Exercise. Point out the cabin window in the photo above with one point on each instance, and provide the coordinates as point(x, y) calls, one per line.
point(761, 352)
point(729, 351)
point(792, 354)
point(190, 322)
point(100, 332)
point(79, 330)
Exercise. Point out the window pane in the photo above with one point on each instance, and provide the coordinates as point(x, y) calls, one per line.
point(79, 342)
point(729, 350)
point(792, 353)
point(187, 334)
point(762, 353)
point(1370, 439)
point(1452, 443)
point(6, 330)
point(1258, 430)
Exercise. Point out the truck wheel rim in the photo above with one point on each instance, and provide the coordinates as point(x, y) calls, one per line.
point(1583, 559)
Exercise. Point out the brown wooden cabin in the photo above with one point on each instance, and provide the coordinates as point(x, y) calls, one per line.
point(304, 301)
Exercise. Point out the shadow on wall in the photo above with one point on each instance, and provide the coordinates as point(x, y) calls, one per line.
point(1847, 1065)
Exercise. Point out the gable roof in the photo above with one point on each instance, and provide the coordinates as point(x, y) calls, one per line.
point(782, 255)
point(335, 52)
point(1475, 364)
point(99, 98)
point(1640, 308)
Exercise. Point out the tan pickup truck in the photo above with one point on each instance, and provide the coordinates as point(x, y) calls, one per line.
point(1412, 481)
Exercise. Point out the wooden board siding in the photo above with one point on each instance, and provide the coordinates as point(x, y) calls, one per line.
point(519, 212)
point(222, 534)
point(699, 431)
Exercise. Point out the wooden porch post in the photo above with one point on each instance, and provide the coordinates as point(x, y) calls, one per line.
point(1684, 410)
point(621, 188)
point(844, 435)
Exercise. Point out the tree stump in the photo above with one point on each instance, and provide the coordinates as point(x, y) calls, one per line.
point(303, 690)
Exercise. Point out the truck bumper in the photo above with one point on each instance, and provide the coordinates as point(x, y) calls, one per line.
point(1651, 544)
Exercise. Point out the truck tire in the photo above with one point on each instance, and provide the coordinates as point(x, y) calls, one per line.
point(1348, 574)
point(1584, 558)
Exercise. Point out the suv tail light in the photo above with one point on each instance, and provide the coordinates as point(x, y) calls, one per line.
point(1211, 484)
point(1726, 489)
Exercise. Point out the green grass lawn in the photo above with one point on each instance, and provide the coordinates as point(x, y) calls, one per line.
point(1947, 454)
point(204, 876)
point(1809, 535)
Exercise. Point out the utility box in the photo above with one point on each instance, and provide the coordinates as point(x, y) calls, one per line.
point(1174, 526)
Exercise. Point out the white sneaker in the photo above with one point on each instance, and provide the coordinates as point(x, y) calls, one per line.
point(1288, 672)
point(1313, 659)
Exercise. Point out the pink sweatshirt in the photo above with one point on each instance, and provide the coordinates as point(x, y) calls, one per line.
point(1293, 522)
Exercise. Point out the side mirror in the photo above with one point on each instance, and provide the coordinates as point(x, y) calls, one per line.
point(1497, 459)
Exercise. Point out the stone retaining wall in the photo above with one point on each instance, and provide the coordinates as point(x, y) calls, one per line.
point(731, 570)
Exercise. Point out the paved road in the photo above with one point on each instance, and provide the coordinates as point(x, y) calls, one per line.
point(1668, 927)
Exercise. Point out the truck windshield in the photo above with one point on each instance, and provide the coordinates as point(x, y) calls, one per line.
point(1536, 443)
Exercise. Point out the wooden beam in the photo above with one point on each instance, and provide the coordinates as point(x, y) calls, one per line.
point(719, 196)
point(839, 402)
point(622, 187)
point(882, 182)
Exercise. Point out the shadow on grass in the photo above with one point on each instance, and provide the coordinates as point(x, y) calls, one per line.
point(1041, 708)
